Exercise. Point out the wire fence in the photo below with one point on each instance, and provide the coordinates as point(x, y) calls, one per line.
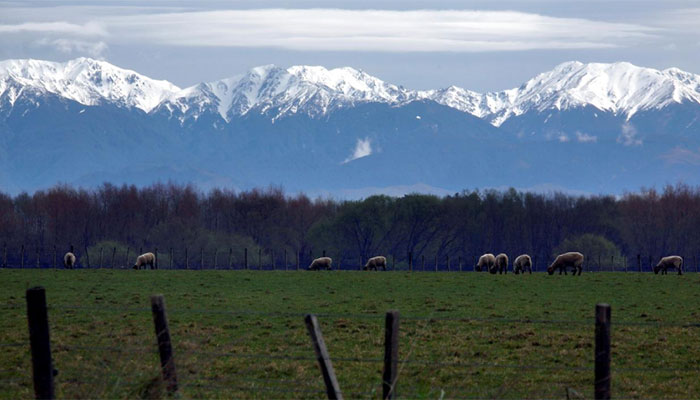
point(111, 351)
point(284, 260)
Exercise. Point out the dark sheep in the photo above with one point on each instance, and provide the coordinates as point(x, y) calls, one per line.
point(665, 263)
point(571, 259)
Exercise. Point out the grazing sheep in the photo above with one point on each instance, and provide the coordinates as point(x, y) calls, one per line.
point(522, 263)
point(486, 262)
point(501, 263)
point(144, 260)
point(321, 263)
point(375, 262)
point(665, 263)
point(69, 260)
point(572, 259)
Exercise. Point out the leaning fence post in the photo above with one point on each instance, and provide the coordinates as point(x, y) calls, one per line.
point(167, 363)
point(391, 354)
point(40, 343)
point(324, 360)
point(602, 351)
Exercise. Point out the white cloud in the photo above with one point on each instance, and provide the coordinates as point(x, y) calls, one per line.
point(628, 135)
point(341, 29)
point(376, 30)
point(586, 138)
point(70, 46)
point(62, 27)
point(563, 138)
point(679, 155)
point(363, 148)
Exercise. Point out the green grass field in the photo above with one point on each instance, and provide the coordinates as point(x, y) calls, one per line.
point(240, 334)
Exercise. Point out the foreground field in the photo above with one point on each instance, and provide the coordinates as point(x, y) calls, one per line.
point(463, 335)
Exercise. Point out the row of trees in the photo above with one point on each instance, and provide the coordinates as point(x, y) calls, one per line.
point(466, 224)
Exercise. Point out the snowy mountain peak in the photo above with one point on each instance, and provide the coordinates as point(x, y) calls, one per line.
point(86, 81)
point(620, 88)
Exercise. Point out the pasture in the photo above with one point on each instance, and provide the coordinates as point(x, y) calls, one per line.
point(463, 335)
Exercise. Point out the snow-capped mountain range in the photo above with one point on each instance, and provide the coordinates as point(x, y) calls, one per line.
point(619, 88)
point(579, 127)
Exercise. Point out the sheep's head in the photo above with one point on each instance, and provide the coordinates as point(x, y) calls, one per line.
point(136, 266)
point(657, 268)
point(550, 269)
point(477, 268)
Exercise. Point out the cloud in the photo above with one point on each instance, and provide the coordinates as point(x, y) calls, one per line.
point(62, 27)
point(70, 46)
point(586, 138)
point(375, 30)
point(628, 135)
point(563, 138)
point(335, 29)
point(363, 148)
point(679, 155)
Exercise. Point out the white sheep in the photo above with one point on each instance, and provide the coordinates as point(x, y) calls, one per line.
point(572, 259)
point(144, 260)
point(501, 263)
point(69, 260)
point(375, 262)
point(321, 263)
point(675, 262)
point(487, 262)
point(522, 263)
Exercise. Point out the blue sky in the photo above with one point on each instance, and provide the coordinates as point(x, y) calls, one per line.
point(478, 45)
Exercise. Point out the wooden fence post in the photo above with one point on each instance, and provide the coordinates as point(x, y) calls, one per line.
point(460, 263)
point(599, 266)
point(155, 262)
point(187, 259)
point(272, 259)
point(201, 258)
point(167, 363)
point(360, 267)
point(285, 260)
point(38, 258)
point(4, 255)
point(87, 256)
point(21, 260)
point(172, 256)
point(126, 263)
point(114, 253)
point(436, 263)
point(612, 263)
point(245, 258)
point(297, 260)
point(260, 258)
point(40, 343)
point(391, 354)
point(216, 255)
point(101, 257)
point(639, 262)
point(448, 262)
point(651, 267)
point(422, 261)
point(410, 261)
point(230, 257)
point(54, 256)
point(324, 360)
point(602, 351)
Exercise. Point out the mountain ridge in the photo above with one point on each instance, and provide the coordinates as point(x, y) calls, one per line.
point(619, 88)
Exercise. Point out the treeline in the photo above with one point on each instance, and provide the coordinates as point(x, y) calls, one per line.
point(464, 225)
